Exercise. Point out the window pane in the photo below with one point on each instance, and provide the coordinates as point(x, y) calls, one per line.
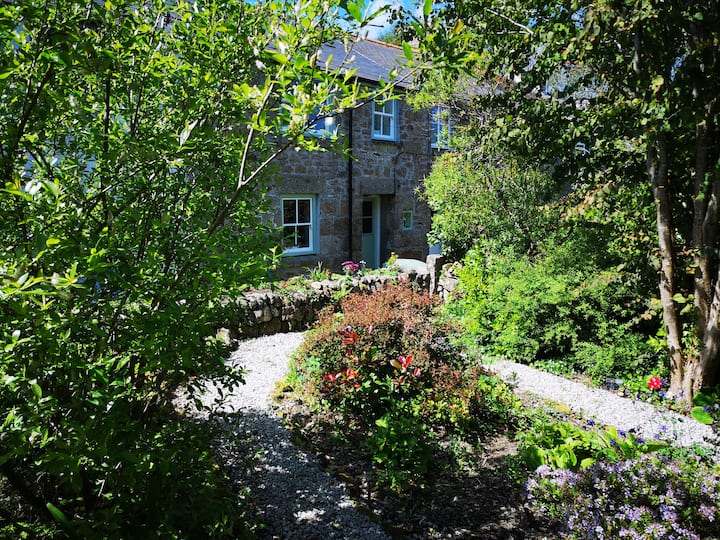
point(367, 227)
point(377, 123)
point(387, 128)
point(303, 211)
point(288, 237)
point(367, 217)
point(289, 214)
point(303, 236)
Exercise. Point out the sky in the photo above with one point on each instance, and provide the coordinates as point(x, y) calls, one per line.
point(381, 25)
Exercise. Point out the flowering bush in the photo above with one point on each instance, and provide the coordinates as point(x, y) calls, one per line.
point(655, 383)
point(396, 382)
point(651, 497)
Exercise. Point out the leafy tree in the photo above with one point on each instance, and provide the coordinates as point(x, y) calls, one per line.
point(135, 143)
point(488, 200)
point(625, 91)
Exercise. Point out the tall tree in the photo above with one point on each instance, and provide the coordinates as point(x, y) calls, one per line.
point(619, 89)
point(135, 140)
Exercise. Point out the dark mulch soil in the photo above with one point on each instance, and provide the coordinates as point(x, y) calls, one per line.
point(480, 501)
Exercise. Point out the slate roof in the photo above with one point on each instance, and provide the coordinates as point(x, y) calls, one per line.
point(372, 59)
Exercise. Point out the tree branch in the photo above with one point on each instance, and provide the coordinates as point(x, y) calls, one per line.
point(526, 29)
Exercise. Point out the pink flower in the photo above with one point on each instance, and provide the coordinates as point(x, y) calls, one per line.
point(655, 383)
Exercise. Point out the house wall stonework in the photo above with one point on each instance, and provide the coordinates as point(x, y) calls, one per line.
point(389, 170)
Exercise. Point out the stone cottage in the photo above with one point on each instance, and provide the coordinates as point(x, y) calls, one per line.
point(334, 209)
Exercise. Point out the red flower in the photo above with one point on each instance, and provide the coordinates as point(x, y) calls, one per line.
point(416, 373)
point(331, 377)
point(655, 383)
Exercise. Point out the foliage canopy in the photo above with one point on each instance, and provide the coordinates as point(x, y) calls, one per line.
point(135, 144)
point(622, 92)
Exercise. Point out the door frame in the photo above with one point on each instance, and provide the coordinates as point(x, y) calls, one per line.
point(375, 200)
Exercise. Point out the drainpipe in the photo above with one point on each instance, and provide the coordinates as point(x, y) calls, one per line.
point(350, 184)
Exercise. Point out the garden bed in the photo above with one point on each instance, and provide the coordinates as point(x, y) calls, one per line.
point(392, 403)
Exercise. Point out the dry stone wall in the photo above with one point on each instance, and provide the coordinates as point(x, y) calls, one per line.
point(264, 312)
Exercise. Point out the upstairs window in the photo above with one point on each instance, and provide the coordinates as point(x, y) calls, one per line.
point(299, 224)
point(321, 124)
point(384, 120)
point(441, 127)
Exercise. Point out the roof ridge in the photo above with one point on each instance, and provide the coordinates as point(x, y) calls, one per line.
point(385, 43)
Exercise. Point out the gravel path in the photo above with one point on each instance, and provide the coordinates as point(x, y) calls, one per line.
point(297, 500)
point(606, 407)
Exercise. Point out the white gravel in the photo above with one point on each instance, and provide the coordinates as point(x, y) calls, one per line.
point(297, 500)
point(605, 407)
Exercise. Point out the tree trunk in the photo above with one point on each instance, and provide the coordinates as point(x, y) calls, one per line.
point(702, 371)
point(703, 233)
point(657, 166)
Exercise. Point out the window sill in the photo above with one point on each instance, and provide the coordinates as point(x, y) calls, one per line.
point(298, 252)
point(385, 139)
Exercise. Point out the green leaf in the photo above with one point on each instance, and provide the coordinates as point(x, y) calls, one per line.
point(407, 50)
point(187, 131)
point(701, 415)
point(427, 8)
point(657, 82)
point(6, 72)
point(52, 187)
point(354, 10)
point(700, 398)
point(51, 242)
point(36, 389)
point(57, 514)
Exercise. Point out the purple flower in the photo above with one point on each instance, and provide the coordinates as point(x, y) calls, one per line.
point(656, 530)
point(668, 513)
point(708, 512)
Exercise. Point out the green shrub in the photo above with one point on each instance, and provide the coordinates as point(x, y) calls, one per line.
point(469, 401)
point(496, 199)
point(399, 446)
point(562, 445)
point(564, 304)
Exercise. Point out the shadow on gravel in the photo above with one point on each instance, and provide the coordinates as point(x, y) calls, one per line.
point(293, 497)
